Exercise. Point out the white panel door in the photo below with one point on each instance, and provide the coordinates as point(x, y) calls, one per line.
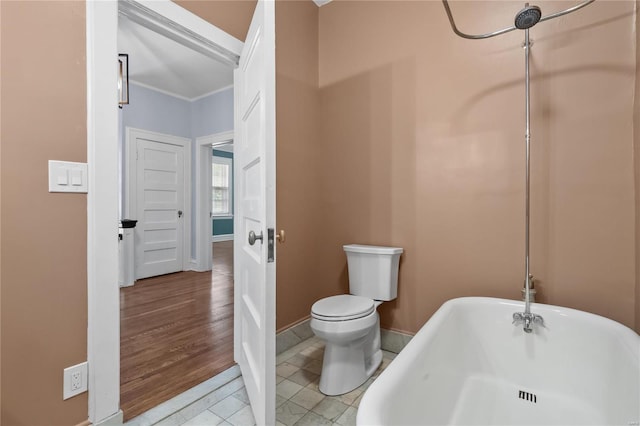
point(254, 82)
point(159, 236)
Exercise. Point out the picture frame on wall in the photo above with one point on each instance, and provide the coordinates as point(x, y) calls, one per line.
point(123, 79)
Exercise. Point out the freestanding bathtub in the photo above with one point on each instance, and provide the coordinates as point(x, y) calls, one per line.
point(469, 365)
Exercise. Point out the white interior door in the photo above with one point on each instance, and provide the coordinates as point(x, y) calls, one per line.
point(160, 206)
point(254, 80)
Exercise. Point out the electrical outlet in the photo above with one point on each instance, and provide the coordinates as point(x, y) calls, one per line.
point(74, 380)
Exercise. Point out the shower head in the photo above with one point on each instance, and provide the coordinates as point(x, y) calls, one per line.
point(528, 17)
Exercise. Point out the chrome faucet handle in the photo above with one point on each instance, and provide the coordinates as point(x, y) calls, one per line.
point(517, 317)
point(537, 319)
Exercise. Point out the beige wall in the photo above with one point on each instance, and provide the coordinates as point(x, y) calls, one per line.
point(300, 279)
point(232, 16)
point(0, 221)
point(422, 146)
point(636, 156)
point(406, 135)
point(44, 297)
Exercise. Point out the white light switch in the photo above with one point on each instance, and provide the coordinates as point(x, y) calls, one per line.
point(76, 177)
point(67, 176)
point(63, 177)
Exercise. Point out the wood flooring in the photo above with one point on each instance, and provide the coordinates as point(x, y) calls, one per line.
point(176, 331)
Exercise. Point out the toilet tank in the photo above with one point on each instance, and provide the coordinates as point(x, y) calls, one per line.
point(373, 271)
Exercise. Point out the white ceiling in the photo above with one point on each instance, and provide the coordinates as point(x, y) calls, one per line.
point(158, 62)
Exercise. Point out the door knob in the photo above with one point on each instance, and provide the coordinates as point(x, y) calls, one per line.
point(253, 237)
point(280, 236)
point(179, 213)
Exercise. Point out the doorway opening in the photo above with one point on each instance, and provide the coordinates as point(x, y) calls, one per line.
point(254, 79)
point(177, 305)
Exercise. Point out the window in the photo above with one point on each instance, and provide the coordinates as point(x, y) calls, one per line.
point(221, 187)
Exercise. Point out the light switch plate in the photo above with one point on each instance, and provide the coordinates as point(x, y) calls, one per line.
point(67, 176)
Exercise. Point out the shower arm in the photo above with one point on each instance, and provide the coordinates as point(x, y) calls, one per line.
point(506, 30)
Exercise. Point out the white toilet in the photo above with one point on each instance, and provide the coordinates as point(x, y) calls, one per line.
point(349, 323)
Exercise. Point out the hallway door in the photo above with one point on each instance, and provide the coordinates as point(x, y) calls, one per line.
point(160, 204)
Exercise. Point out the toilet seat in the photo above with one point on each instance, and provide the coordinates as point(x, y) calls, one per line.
point(344, 307)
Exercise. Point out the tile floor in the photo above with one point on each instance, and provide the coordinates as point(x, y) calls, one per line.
point(298, 400)
point(234, 410)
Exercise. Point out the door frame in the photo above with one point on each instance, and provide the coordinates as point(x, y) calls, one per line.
point(203, 231)
point(103, 304)
point(131, 182)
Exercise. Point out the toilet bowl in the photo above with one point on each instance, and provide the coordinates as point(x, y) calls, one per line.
point(349, 323)
point(352, 351)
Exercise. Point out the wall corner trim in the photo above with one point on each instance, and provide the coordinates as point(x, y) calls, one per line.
point(320, 3)
point(103, 331)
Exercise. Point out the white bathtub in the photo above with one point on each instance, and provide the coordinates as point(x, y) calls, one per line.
point(469, 365)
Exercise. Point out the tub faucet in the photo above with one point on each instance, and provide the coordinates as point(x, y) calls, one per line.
point(527, 318)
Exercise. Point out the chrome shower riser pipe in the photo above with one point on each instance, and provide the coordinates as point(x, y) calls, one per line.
point(527, 280)
point(527, 318)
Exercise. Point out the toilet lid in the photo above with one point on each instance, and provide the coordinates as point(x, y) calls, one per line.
point(342, 308)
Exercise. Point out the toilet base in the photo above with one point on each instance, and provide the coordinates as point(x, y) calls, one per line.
point(374, 363)
point(346, 367)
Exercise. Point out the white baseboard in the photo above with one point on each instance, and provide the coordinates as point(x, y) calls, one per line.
point(115, 420)
point(218, 238)
point(193, 266)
